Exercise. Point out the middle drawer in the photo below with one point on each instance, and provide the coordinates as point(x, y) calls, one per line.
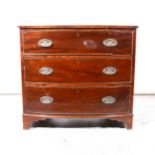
point(70, 70)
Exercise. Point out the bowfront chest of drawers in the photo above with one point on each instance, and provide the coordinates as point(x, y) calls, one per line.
point(78, 72)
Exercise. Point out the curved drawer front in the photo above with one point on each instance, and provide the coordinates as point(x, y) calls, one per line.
point(77, 70)
point(77, 42)
point(77, 100)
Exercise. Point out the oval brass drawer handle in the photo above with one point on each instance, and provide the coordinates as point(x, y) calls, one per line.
point(45, 43)
point(110, 42)
point(108, 100)
point(46, 100)
point(109, 70)
point(46, 71)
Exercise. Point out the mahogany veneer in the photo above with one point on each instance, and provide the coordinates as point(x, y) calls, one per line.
point(78, 72)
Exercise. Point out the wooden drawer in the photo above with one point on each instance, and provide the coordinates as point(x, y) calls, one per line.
point(77, 41)
point(70, 70)
point(77, 100)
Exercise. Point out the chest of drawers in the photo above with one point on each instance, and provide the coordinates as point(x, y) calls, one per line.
point(77, 72)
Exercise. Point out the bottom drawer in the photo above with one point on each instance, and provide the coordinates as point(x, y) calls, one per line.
point(77, 100)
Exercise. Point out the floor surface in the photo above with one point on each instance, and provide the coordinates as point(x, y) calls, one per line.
point(77, 141)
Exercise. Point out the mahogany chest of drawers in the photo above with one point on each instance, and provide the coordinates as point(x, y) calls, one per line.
point(77, 72)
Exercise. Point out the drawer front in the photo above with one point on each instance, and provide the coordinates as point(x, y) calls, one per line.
point(77, 100)
point(77, 42)
point(77, 70)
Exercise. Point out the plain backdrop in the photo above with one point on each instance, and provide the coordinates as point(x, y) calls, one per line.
point(71, 12)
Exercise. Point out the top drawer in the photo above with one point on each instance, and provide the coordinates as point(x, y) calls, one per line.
point(77, 41)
